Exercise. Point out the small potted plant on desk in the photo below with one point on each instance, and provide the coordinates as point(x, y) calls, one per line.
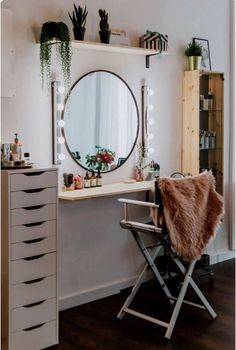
point(104, 27)
point(194, 54)
point(78, 19)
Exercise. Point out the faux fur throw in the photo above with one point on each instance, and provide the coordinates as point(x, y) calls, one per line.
point(192, 211)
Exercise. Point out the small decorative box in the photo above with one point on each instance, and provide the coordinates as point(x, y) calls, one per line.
point(154, 41)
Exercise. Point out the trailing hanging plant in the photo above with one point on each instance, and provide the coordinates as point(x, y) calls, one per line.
point(58, 34)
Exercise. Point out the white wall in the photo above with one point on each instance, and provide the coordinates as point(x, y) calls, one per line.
point(28, 112)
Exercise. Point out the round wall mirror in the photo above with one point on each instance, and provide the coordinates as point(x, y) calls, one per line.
point(101, 121)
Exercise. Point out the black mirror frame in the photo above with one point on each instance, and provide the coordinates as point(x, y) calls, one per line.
point(138, 122)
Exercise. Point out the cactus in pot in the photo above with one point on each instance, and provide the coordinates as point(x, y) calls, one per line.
point(104, 27)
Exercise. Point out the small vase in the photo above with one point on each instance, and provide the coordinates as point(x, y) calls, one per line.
point(139, 175)
point(79, 33)
point(105, 36)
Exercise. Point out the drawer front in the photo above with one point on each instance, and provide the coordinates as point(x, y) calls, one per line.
point(33, 247)
point(28, 269)
point(34, 314)
point(33, 231)
point(33, 291)
point(40, 337)
point(28, 198)
point(31, 180)
point(33, 214)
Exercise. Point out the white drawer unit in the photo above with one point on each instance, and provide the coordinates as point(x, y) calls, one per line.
point(33, 291)
point(29, 303)
point(33, 247)
point(28, 198)
point(34, 338)
point(33, 230)
point(33, 267)
point(33, 314)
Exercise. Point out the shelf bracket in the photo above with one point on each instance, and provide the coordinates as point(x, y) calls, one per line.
point(148, 58)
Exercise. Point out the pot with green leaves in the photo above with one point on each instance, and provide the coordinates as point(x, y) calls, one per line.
point(104, 27)
point(194, 54)
point(78, 19)
point(55, 34)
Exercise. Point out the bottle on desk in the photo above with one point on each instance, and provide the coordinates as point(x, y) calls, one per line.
point(86, 180)
point(93, 180)
point(99, 179)
point(17, 149)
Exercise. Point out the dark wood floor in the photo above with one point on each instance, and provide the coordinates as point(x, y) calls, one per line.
point(95, 326)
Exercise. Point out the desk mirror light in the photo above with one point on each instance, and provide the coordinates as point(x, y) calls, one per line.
point(101, 121)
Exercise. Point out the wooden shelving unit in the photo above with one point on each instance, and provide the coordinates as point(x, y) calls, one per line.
point(195, 158)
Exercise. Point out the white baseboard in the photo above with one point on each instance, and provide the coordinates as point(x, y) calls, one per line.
point(102, 291)
point(85, 296)
point(222, 256)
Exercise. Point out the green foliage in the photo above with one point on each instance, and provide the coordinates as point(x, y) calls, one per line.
point(104, 26)
point(193, 49)
point(58, 34)
point(78, 17)
point(101, 159)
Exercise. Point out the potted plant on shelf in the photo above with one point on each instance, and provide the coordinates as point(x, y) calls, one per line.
point(55, 33)
point(104, 27)
point(78, 19)
point(194, 54)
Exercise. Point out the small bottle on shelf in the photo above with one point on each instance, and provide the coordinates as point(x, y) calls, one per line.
point(93, 180)
point(99, 179)
point(16, 149)
point(27, 158)
point(201, 102)
point(205, 103)
point(86, 180)
point(210, 100)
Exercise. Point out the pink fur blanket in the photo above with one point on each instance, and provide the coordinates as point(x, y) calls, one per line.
point(192, 210)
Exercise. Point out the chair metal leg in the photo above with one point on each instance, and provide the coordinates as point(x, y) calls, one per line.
point(136, 287)
point(180, 300)
point(151, 263)
point(197, 290)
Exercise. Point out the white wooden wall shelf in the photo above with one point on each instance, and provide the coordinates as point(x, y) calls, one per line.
point(130, 50)
point(87, 45)
point(106, 190)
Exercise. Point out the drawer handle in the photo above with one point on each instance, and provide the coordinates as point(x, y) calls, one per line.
point(34, 327)
point(35, 281)
point(34, 257)
point(34, 207)
point(34, 224)
point(34, 174)
point(34, 304)
point(34, 240)
point(34, 190)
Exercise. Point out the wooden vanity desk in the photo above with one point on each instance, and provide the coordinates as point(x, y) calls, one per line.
point(106, 190)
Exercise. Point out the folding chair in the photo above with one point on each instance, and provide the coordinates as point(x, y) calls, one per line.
point(139, 232)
